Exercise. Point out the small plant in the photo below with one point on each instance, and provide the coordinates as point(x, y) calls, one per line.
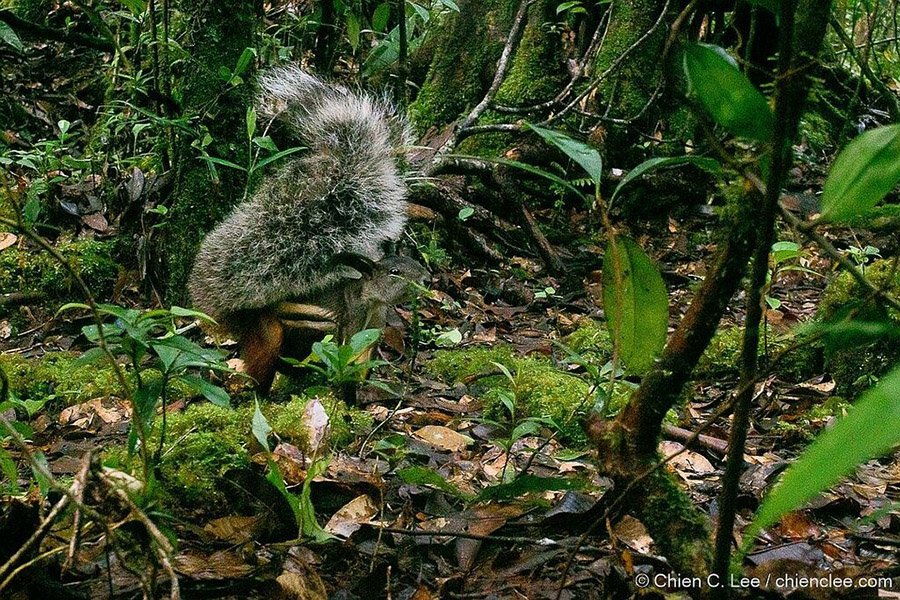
point(158, 355)
point(345, 366)
point(862, 256)
point(301, 506)
point(545, 293)
point(513, 425)
point(785, 256)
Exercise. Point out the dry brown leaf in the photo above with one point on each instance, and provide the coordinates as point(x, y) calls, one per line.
point(7, 239)
point(443, 438)
point(234, 529)
point(353, 515)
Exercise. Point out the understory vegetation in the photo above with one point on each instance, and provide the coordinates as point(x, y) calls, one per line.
point(658, 347)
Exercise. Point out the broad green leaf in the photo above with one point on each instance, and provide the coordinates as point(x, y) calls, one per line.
point(213, 393)
point(353, 31)
point(179, 311)
point(782, 251)
point(707, 164)
point(380, 17)
point(9, 37)
point(870, 429)
point(9, 470)
point(309, 526)
point(584, 155)
point(726, 93)
point(244, 61)
point(528, 484)
point(275, 477)
point(636, 304)
point(865, 171)
point(260, 427)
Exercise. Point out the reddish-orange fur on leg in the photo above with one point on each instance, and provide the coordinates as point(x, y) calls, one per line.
point(261, 347)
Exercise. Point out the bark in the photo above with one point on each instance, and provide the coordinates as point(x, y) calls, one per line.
point(218, 32)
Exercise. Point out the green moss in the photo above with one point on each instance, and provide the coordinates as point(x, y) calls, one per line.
point(722, 358)
point(458, 365)
point(32, 269)
point(58, 375)
point(815, 130)
point(202, 444)
point(219, 33)
point(206, 441)
point(856, 368)
point(679, 529)
point(844, 291)
point(531, 77)
point(468, 44)
point(591, 341)
point(540, 389)
point(346, 424)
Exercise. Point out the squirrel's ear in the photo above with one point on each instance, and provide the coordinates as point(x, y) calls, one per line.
point(389, 248)
point(363, 264)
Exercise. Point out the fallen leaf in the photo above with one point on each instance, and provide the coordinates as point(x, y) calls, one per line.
point(443, 438)
point(353, 515)
point(7, 239)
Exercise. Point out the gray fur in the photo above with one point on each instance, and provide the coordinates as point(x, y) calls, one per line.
point(345, 194)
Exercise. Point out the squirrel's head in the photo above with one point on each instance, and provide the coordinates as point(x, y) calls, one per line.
point(391, 280)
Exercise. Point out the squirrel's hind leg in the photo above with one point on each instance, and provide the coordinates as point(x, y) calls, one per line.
point(261, 346)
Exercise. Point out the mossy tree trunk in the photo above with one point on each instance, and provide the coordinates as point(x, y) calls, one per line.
point(631, 89)
point(218, 33)
point(464, 60)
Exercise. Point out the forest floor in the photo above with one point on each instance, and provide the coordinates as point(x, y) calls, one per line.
point(419, 492)
point(439, 463)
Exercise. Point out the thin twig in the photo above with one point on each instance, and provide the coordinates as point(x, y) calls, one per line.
point(512, 41)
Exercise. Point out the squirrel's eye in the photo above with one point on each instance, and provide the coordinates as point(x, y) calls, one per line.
point(395, 271)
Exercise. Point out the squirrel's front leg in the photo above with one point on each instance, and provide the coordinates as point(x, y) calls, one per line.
point(261, 348)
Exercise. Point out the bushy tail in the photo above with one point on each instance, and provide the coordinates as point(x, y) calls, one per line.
point(330, 118)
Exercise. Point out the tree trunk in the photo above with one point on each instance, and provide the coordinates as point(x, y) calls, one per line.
point(219, 31)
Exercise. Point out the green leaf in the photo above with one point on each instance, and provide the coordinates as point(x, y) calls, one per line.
point(251, 122)
point(39, 475)
point(9, 37)
point(363, 339)
point(584, 155)
point(870, 429)
point(244, 61)
point(278, 155)
point(865, 171)
point(426, 476)
point(636, 304)
point(726, 93)
point(380, 17)
point(353, 31)
point(178, 311)
point(707, 164)
point(9, 470)
point(213, 393)
point(309, 526)
point(275, 477)
point(260, 427)
point(222, 161)
point(528, 484)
